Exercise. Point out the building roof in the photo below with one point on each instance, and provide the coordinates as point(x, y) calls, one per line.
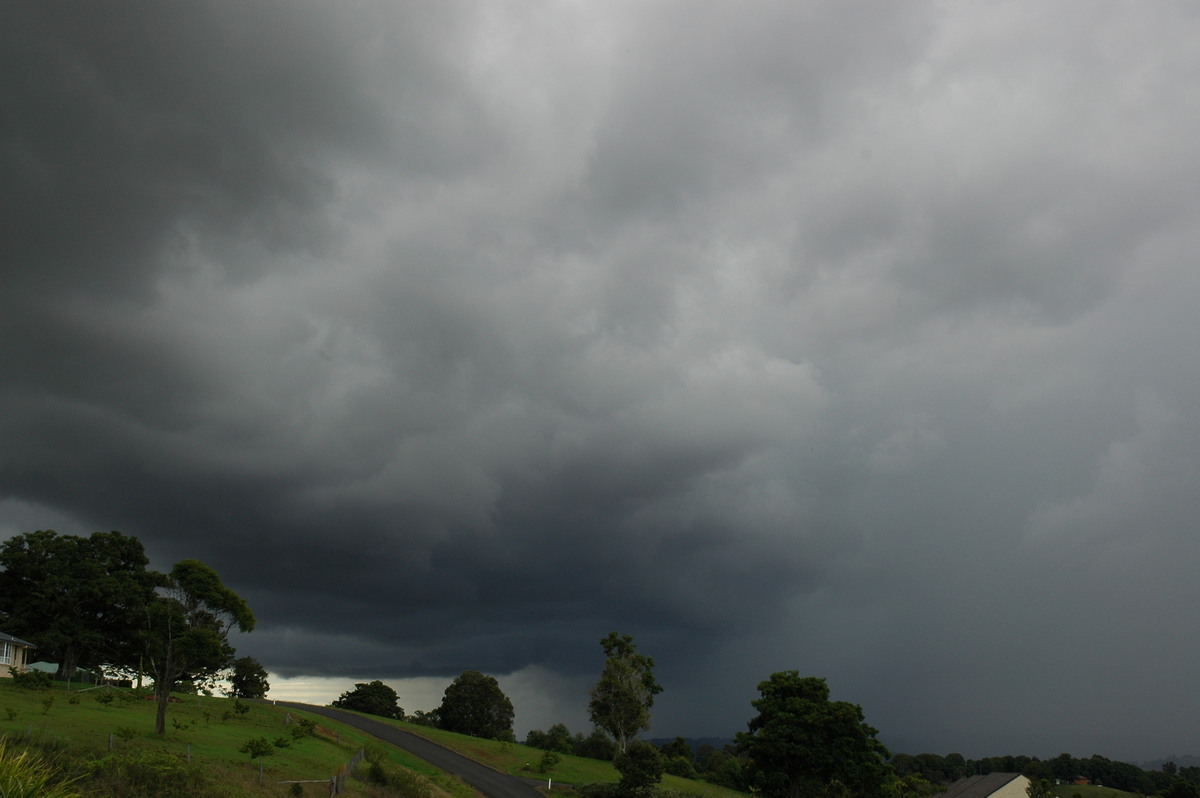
point(979, 786)
point(10, 639)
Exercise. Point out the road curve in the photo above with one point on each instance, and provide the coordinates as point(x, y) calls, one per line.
point(491, 783)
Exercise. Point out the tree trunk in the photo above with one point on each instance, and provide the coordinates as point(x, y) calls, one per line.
point(67, 664)
point(162, 694)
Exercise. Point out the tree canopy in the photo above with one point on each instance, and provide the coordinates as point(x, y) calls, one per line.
point(474, 704)
point(373, 698)
point(80, 599)
point(621, 700)
point(187, 628)
point(802, 744)
point(248, 679)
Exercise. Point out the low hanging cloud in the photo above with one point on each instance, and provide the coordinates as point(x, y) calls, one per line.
point(857, 341)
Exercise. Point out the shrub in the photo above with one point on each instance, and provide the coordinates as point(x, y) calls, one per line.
point(257, 746)
point(605, 790)
point(47, 702)
point(31, 680)
point(304, 728)
point(549, 760)
point(680, 766)
point(104, 697)
point(148, 773)
point(641, 767)
point(126, 733)
point(401, 782)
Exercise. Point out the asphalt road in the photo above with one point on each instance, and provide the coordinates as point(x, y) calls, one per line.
point(491, 783)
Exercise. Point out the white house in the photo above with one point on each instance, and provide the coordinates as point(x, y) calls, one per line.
point(14, 652)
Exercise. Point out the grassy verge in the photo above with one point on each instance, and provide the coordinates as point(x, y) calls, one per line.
point(522, 760)
point(106, 738)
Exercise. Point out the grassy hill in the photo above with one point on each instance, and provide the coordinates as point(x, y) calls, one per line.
point(106, 738)
point(521, 760)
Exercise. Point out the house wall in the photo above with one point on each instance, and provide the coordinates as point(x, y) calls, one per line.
point(1017, 788)
point(17, 659)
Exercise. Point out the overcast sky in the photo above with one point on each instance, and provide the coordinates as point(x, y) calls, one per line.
point(857, 338)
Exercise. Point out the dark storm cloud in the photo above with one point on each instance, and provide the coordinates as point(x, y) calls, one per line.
point(857, 340)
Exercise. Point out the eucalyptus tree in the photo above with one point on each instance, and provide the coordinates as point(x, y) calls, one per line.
point(621, 700)
point(186, 629)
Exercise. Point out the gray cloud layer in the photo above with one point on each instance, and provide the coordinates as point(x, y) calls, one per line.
point(853, 339)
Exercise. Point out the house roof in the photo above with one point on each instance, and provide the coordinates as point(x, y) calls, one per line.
point(979, 786)
point(10, 639)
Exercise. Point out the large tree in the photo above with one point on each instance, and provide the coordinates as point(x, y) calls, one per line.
point(474, 704)
point(374, 698)
point(186, 631)
point(620, 702)
point(79, 599)
point(801, 743)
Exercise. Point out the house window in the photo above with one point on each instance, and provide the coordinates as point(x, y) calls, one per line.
point(6, 654)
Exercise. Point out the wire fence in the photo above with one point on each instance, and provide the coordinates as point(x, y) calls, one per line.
point(338, 780)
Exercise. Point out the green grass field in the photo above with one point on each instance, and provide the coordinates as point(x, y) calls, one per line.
point(521, 760)
point(204, 733)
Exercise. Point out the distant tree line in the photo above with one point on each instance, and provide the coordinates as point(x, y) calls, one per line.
point(1169, 780)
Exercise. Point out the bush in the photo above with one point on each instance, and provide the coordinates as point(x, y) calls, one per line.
point(148, 774)
point(257, 746)
point(303, 727)
point(402, 782)
point(606, 790)
point(641, 767)
point(680, 766)
point(31, 680)
point(549, 760)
